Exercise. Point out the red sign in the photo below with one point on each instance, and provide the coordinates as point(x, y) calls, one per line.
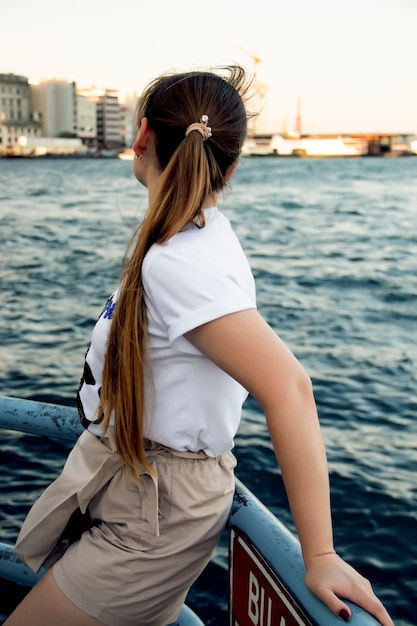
point(257, 596)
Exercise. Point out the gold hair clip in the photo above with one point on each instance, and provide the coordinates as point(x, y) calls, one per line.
point(201, 127)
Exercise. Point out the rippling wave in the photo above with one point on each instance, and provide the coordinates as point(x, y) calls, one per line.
point(332, 247)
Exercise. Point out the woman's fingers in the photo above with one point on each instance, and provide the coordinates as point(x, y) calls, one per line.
point(331, 579)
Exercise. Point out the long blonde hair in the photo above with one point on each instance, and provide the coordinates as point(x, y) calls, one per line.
point(191, 170)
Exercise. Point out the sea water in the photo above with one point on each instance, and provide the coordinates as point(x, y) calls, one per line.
point(333, 247)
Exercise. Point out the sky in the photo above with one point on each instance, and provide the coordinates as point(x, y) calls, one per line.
point(348, 66)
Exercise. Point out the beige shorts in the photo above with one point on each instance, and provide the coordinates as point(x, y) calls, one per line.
point(152, 539)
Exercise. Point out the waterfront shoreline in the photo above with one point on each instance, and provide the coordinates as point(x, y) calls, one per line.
point(384, 155)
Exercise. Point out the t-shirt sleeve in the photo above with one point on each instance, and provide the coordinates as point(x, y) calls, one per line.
point(185, 291)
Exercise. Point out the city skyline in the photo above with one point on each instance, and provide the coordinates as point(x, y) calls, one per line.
point(351, 67)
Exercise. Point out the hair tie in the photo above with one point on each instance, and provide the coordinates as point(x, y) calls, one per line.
point(201, 127)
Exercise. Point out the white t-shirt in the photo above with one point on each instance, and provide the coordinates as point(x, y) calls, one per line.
point(199, 275)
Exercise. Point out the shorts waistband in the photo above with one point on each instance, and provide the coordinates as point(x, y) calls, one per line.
point(155, 447)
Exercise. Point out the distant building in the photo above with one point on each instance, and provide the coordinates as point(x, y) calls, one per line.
point(16, 117)
point(109, 116)
point(128, 134)
point(86, 120)
point(129, 103)
point(55, 101)
point(109, 121)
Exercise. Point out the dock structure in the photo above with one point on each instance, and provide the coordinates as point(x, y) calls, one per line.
point(398, 144)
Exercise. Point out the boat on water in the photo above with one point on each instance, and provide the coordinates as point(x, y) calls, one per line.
point(257, 146)
point(126, 155)
point(318, 146)
point(308, 146)
point(265, 567)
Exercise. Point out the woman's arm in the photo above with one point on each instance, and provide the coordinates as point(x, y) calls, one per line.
point(244, 346)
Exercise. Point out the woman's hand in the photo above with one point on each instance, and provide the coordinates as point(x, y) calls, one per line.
point(330, 579)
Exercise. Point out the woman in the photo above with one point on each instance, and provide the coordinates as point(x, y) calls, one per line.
point(173, 356)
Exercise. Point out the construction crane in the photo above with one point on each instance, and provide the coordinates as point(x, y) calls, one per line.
point(256, 59)
point(259, 88)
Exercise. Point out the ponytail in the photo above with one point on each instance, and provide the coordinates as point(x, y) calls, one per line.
point(192, 170)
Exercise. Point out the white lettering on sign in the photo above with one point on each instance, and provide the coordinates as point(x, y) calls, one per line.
point(257, 596)
point(256, 603)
